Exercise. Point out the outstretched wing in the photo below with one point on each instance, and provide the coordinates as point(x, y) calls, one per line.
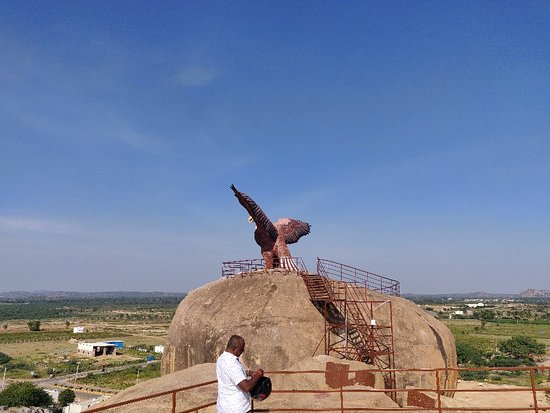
point(261, 219)
point(292, 229)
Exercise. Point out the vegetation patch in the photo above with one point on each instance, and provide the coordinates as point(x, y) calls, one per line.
point(122, 379)
point(24, 394)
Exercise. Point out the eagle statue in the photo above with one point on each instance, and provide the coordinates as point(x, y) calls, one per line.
point(273, 238)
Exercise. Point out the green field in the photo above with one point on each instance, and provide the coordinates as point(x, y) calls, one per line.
point(140, 322)
point(120, 380)
point(487, 338)
point(126, 309)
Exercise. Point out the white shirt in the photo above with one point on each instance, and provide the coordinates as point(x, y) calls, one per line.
point(230, 372)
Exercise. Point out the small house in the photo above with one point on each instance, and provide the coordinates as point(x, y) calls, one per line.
point(97, 349)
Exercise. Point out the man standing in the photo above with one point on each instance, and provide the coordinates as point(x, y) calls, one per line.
point(233, 385)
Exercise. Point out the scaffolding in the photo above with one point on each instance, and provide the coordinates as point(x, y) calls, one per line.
point(356, 327)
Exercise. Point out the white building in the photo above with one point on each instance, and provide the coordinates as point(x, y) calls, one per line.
point(54, 393)
point(97, 349)
point(476, 305)
point(83, 406)
point(159, 349)
point(77, 330)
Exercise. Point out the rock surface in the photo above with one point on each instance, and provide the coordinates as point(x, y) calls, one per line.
point(201, 373)
point(273, 312)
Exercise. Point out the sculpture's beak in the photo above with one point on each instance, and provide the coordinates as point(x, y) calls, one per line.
point(250, 220)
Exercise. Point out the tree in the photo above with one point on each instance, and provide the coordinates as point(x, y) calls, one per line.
point(484, 316)
point(24, 394)
point(468, 354)
point(66, 397)
point(4, 358)
point(34, 325)
point(67, 323)
point(5, 326)
point(522, 347)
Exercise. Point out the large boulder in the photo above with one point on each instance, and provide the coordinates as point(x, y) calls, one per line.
point(273, 312)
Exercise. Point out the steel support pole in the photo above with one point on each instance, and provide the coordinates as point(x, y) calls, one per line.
point(438, 391)
point(534, 389)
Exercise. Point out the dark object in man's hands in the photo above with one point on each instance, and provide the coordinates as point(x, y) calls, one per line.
point(262, 390)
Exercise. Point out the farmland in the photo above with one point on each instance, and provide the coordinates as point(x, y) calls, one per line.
point(483, 328)
point(140, 322)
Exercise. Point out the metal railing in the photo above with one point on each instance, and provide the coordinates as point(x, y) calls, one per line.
point(361, 278)
point(343, 382)
point(240, 267)
point(173, 397)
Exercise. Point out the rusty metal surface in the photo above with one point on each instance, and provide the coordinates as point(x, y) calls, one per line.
point(152, 396)
point(356, 328)
point(339, 378)
point(244, 267)
point(361, 278)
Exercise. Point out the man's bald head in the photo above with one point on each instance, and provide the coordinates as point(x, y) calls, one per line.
point(234, 342)
point(235, 345)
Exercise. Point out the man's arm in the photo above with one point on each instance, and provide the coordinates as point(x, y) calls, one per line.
point(247, 385)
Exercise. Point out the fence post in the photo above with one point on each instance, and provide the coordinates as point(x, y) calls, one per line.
point(438, 391)
point(533, 388)
point(174, 402)
point(341, 393)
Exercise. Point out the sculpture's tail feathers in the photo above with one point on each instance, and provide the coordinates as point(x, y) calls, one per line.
point(288, 263)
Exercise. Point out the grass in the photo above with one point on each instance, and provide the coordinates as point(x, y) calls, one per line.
point(53, 350)
point(48, 352)
point(487, 339)
point(51, 335)
point(122, 379)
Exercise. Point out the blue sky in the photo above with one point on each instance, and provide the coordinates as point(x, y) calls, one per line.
point(413, 136)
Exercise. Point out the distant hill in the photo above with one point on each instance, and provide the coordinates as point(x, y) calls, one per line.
point(462, 296)
point(535, 293)
point(75, 295)
point(530, 295)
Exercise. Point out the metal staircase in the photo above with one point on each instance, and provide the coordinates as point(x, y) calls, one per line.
point(356, 327)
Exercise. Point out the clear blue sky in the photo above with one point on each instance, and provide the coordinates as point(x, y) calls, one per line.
point(414, 136)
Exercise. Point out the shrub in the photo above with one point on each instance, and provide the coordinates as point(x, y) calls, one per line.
point(20, 364)
point(468, 354)
point(34, 325)
point(24, 394)
point(503, 361)
point(522, 347)
point(4, 358)
point(484, 316)
point(474, 375)
point(66, 397)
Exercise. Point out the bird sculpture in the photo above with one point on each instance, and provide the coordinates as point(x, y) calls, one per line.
point(273, 238)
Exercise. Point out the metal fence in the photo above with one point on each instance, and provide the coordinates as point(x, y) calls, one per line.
point(340, 385)
point(358, 277)
point(240, 267)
